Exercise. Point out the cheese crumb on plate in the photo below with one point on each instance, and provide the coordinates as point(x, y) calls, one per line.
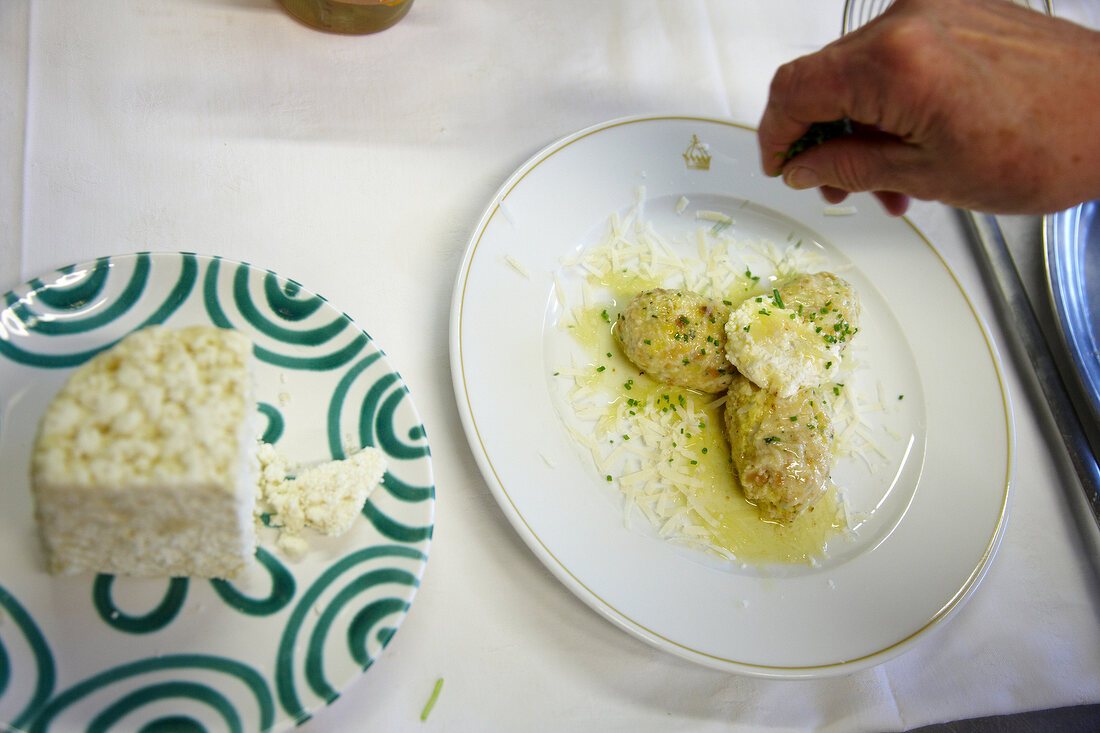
point(325, 498)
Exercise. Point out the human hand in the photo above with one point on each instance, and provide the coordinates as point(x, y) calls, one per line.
point(981, 104)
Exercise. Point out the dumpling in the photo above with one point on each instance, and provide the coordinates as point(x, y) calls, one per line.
point(793, 338)
point(677, 337)
point(781, 447)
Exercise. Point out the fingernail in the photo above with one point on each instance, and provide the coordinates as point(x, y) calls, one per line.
point(801, 177)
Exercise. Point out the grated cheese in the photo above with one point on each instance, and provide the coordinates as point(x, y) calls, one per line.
point(517, 266)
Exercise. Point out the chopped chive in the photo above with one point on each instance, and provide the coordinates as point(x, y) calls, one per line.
point(435, 696)
point(816, 134)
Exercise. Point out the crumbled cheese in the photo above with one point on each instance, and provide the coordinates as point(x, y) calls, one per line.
point(326, 498)
point(292, 545)
point(778, 349)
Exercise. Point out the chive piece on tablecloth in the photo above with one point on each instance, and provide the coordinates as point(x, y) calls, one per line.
point(431, 700)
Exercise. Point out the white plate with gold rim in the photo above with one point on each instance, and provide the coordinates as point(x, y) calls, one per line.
point(931, 512)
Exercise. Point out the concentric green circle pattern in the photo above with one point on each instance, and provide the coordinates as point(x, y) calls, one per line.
point(100, 653)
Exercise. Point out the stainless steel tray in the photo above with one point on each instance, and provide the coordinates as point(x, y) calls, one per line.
point(1072, 250)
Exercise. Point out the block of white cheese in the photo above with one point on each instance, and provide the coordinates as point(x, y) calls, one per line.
point(144, 463)
point(325, 498)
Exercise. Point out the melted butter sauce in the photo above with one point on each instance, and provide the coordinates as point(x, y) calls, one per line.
point(740, 528)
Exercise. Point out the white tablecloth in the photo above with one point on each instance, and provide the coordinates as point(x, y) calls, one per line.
point(359, 166)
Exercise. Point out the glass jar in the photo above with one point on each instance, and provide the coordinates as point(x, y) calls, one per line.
point(353, 17)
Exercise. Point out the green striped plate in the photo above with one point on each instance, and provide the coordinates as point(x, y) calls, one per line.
point(96, 652)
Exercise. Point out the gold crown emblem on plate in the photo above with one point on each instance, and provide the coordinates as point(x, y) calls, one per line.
point(697, 157)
